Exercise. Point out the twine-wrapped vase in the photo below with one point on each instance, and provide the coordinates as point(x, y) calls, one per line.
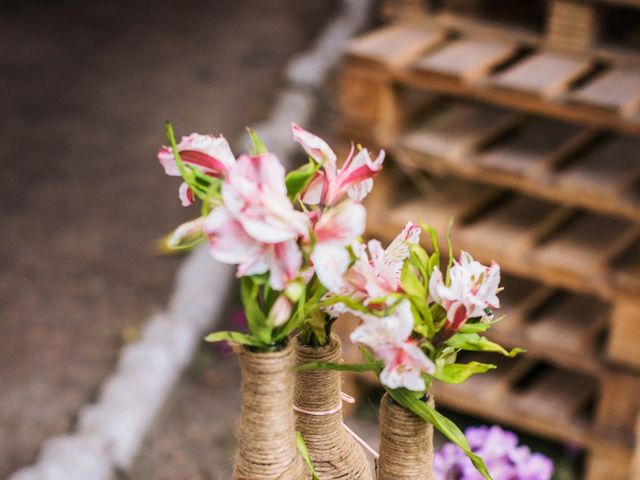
point(335, 453)
point(266, 435)
point(406, 443)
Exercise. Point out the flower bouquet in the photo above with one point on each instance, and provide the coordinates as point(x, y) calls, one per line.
point(296, 240)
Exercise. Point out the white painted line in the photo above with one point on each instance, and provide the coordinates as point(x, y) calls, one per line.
point(110, 432)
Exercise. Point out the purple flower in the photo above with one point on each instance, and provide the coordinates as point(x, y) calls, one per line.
point(501, 453)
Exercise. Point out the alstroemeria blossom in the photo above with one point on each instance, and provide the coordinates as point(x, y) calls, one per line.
point(473, 289)
point(376, 272)
point(229, 243)
point(389, 340)
point(209, 154)
point(334, 231)
point(330, 184)
point(255, 194)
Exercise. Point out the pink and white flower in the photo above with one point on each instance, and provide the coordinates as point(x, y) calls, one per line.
point(389, 340)
point(376, 273)
point(209, 154)
point(229, 243)
point(473, 288)
point(255, 194)
point(257, 227)
point(331, 184)
point(336, 229)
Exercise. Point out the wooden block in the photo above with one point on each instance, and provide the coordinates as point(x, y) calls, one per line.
point(603, 169)
point(514, 219)
point(572, 25)
point(468, 59)
point(369, 102)
point(635, 464)
point(568, 323)
point(545, 73)
point(624, 335)
point(395, 45)
point(619, 404)
point(456, 130)
point(526, 150)
point(627, 270)
point(613, 464)
point(613, 90)
point(579, 249)
point(555, 395)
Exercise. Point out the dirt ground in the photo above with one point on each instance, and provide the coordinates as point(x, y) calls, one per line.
point(86, 87)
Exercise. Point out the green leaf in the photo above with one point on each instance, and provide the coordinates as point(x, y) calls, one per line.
point(449, 429)
point(234, 337)
point(477, 343)
point(375, 366)
point(459, 372)
point(298, 179)
point(410, 283)
point(256, 318)
point(304, 451)
point(257, 145)
point(450, 250)
point(477, 327)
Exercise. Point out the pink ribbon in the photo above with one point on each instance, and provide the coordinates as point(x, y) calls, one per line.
point(349, 399)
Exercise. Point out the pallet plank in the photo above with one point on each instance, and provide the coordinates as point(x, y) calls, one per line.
point(569, 323)
point(544, 73)
point(526, 150)
point(515, 218)
point(603, 169)
point(556, 395)
point(395, 45)
point(456, 130)
point(579, 248)
point(467, 59)
point(612, 90)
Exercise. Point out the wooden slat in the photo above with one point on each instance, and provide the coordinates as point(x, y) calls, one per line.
point(579, 249)
point(466, 59)
point(613, 90)
point(569, 324)
point(514, 219)
point(395, 45)
point(556, 395)
point(545, 73)
point(602, 170)
point(457, 129)
point(527, 149)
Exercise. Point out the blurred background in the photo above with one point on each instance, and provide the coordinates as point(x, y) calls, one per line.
point(521, 119)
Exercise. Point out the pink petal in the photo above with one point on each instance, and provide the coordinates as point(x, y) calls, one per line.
point(228, 242)
point(186, 195)
point(316, 148)
point(341, 224)
point(285, 263)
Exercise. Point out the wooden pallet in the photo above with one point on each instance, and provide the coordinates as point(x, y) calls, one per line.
point(549, 159)
point(508, 73)
point(561, 248)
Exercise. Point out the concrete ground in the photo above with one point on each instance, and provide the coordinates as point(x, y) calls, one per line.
point(86, 87)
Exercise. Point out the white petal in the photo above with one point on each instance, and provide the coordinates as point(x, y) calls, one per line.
point(330, 263)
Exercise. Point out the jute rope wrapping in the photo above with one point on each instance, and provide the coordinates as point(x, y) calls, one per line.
point(335, 453)
point(266, 435)
point(406, 444)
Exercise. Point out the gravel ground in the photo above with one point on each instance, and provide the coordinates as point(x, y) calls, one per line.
point(86, 87)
